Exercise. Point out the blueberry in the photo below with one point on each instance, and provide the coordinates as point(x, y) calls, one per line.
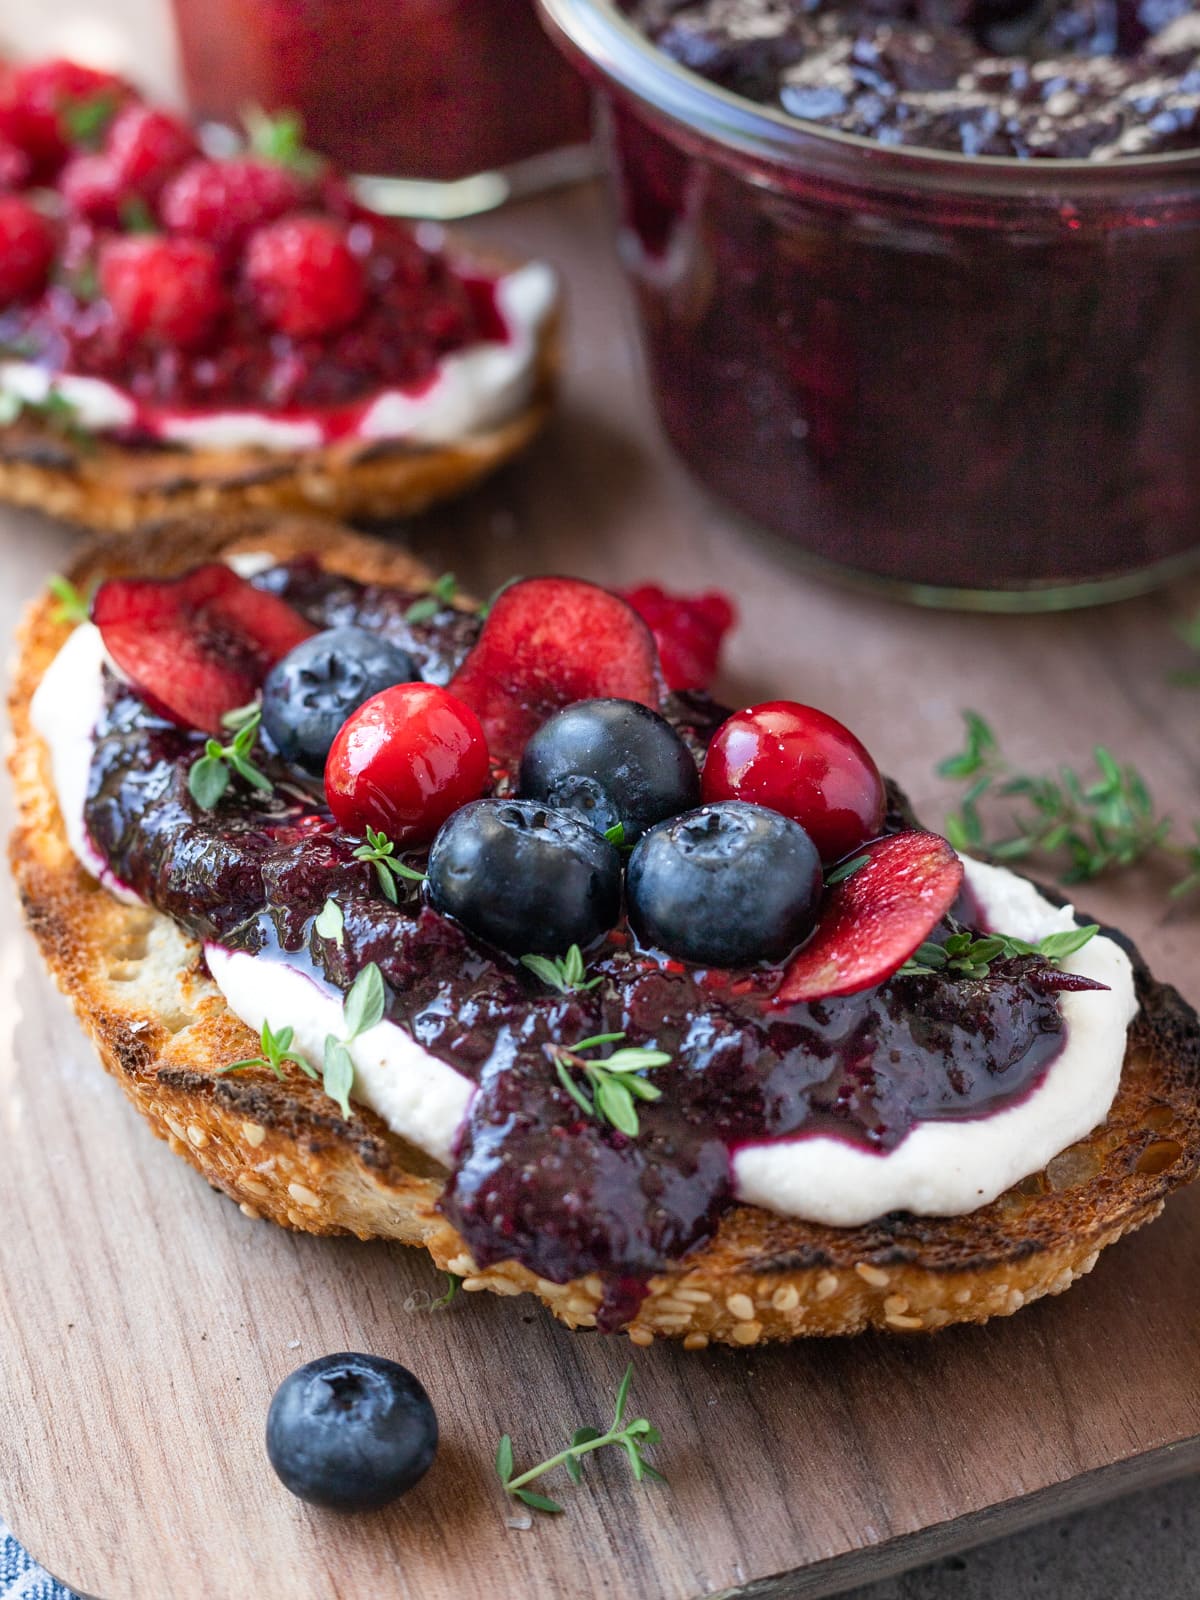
point(527, 879)
point(351, 1432)
point(611, 761)
point(724, 886)
point(310, 693)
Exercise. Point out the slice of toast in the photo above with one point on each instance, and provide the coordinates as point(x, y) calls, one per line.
point(283, 1152)
point(113, 487)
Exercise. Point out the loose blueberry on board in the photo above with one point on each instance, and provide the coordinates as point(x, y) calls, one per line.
point(351, 1432)
point(529, 880)
point(548, 642)
point(610, 762)
point(801, 762)
point(311, 692)
point(199, 646)
point(404, 761)
point(727, 885)
point(873, 920)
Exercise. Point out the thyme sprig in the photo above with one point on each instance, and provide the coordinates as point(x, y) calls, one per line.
point(363, 1010)
point(210, 774)
point(1084, 825)
point(87, 120)
point(330, 922)
point(276, 1051)
point(53, 409)
point(967, 955)
point(844, 870)
point(73, 605)
point(614, 1081)
point(567, 974)
point(442, 594)
point(448, 1296)
point(633, 1437)
point(279, 139)
point(380, 851)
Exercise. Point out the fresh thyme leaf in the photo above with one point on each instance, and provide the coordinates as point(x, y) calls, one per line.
point(847, 869)
point(1057, 946)
point(276, 1049)
point(566, 973)
point(86, 121)
point(330, 923)
point(630, 1437)
point(450, 1294)
point(279, 139)
point(612, 1081)
point(965, 956)
point(73, 606)
point(381, 853)
point(616, 834)
point(443, 592)
point(366, 1001)
point(338, 1077)
point(208, 778)
point(1084, 825)
point(136, 215)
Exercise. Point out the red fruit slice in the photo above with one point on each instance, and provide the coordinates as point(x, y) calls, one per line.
point(874, 920)
point(199, 646)
point(548, 642)
point(688, 630)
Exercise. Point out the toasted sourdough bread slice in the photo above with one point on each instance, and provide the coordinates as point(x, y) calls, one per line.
point(282, 1151)
point(111, 487)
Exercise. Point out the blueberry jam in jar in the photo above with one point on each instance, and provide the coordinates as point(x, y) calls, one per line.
point(919, 286)
point(532, 1178)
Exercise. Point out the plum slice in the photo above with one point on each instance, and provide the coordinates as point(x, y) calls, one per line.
point(199, 646)
point(547, 643)
point(874, 920)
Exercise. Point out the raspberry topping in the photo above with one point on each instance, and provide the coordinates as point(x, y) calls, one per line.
point(222, 202)
point(548, 642)
point(875, 918)
point(145, 146)
point(163, 291)
point(26, 249)
point(36, 112)
point(196, 647)
point(688, 630)
point(305, 277)
point(91, 190)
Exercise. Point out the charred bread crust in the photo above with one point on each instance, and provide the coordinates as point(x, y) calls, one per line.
point(282, 1152)
point(116, 488)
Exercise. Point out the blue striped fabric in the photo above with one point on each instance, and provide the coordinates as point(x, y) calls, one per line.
point(20, 1576)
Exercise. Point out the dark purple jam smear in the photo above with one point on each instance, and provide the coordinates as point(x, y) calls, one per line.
point(534, 1179)
point(1077, 79)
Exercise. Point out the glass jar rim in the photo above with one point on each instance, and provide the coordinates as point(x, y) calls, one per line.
point(627, 60)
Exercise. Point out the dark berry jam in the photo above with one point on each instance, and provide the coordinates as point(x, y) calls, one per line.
point(1072, 79)
point(534, 1179)
point(418, 310)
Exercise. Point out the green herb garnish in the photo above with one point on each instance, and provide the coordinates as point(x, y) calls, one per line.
point(276, 1050)
point(73, 606)
point(1084, 826)
point(616, 835)
point(381, 853)
point(363, 1010)
point(280, 139)
point(53, 409)
point(86, 121)
point(449, 1295)
point(967, 956)
point(209, 776)
point(566, 973)
point(136, 215)
point(330, 923)
point(442, 594)
point(1189, 632)
point(632, 1437)
point(614, 1081)
point(845, 870)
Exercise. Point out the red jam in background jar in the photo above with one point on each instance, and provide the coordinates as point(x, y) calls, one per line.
point(428, 89)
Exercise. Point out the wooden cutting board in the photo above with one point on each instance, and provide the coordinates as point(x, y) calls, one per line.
point(144, 1322)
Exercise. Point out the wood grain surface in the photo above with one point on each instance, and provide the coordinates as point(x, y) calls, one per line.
point(144, 1322)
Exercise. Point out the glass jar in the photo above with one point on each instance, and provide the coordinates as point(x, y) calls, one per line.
point(468, 97)
point(974, 380)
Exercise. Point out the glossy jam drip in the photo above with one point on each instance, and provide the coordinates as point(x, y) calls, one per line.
point(534, 1178)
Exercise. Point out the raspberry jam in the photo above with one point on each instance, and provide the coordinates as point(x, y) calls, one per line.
point(533, 1179)
point(973, 380)
point(435, 89)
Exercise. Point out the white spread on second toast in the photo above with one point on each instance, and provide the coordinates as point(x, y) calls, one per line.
point(942, 1168)
point(476, 388)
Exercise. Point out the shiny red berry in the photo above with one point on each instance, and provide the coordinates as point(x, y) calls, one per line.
point(163, 291)
point(41, 101)
point(144, 147)
point(26, 249)
point(404, 762)
point(799, 761)
point(688, 630)
point(91, 190)
point(222, 202)
point(305, 278)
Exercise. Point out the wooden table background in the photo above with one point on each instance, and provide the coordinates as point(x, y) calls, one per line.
point(144, 1322)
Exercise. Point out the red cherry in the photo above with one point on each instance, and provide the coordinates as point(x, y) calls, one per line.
point(199, 646)
point(797, 760)
point(873, 920)
point(404, 761)
point(26, 249)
